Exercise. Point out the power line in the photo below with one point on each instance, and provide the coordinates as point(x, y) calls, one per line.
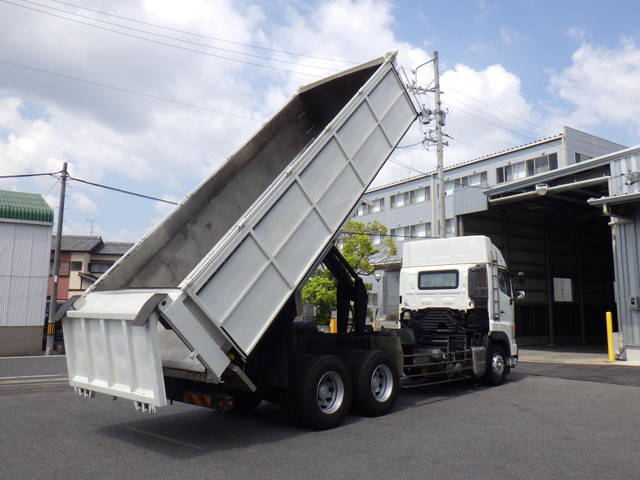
point(201, 35)
point(492, 123)
point(140, 30)
point(502, 111)
point(124, 90)
point(514, 125)
point(466, 144)
point(23, 175)
point(128, 192)
point(157, 42)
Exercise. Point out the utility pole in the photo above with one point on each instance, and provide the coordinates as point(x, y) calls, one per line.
point(53, 302)
point(439, 149)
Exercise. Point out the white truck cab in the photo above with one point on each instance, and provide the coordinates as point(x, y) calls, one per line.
point(464, 279)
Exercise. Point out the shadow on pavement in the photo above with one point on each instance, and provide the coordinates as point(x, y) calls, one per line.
point(612, 374)
point(201, 431)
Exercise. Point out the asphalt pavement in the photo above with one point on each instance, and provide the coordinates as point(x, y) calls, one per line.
point(544, 423)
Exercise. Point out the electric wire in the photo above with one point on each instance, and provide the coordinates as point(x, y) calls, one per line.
point(158, 42)
point(125, 90)
point(502, 111)
point(528, 132)
point(168, 37)
point(23, 175)
point(528, 137)
point(128, 192)
point(201, 35)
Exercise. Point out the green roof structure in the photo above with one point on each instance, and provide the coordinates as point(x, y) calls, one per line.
point(24, 206)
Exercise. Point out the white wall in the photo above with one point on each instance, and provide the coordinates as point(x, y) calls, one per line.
point(25, 250)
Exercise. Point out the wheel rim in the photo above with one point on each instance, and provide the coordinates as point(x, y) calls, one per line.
point(330, 392)
point(497, 364)
point(381, 383)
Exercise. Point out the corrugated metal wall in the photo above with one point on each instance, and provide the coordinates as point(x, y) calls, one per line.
point(620, 167)
point(25, 250)
point(626, 246)
point(626, 242)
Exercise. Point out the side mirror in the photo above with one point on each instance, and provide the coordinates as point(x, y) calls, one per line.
point(520, 295)
point(519, 278)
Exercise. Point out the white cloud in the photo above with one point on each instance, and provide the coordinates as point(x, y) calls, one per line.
point(165, 149)
point(601, 86)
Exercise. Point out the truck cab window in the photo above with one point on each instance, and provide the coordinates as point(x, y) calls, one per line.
point(505, 283)
point(438, 280)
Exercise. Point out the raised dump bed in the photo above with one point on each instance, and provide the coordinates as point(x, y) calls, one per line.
point(221, 266)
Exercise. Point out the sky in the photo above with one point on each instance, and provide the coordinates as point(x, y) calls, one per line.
point(152, 95)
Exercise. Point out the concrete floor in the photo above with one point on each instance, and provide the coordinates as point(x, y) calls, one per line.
point(578, 355)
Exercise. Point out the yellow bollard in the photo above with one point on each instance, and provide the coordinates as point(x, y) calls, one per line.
point(612, 355)
point(333, 325)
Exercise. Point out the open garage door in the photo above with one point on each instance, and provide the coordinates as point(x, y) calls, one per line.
point(563, 245)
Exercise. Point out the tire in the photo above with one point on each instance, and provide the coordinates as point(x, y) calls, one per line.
point(321, 395)
point(375, 383)
point(245, 402)
point(497, 368)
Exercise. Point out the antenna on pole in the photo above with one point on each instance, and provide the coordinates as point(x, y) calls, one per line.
point(91, 222)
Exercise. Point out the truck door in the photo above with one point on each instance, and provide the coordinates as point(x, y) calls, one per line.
point(506, 298)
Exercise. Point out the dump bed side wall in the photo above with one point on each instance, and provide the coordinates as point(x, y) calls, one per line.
point(242, 284)
point(167, 254)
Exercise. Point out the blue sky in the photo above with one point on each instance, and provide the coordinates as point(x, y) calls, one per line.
point(511, 72)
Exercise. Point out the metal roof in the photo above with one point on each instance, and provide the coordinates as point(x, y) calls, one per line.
point(25, 206)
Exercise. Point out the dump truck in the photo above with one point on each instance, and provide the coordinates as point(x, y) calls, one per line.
point(204, 308)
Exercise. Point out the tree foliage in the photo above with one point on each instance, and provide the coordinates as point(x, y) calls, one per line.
point(356, 243)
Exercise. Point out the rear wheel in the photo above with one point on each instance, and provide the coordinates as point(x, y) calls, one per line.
point(321, 395)
point(375, 382)
point(497, 367)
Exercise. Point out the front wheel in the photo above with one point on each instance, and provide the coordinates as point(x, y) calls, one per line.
point(497, 367)
point(322, 392)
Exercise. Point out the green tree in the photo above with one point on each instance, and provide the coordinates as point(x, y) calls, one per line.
point(356, 243)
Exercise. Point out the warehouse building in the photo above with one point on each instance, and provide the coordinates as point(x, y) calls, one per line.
point(563, 210)
point(25, 242)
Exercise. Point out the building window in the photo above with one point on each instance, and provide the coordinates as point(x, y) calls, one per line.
point(376, 239)
point(362, 209)
point(377, 205)
point(527, 168)
point(581, 157)
point(449, 227)
point(476, 180)
point(398, 234)
point(99, 267)
point(399, 200)
point(373, 299)
point(420, 195)
point(76, 266)
point(420, 230)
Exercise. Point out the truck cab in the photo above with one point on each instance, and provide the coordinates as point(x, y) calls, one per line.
point(460, 286)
